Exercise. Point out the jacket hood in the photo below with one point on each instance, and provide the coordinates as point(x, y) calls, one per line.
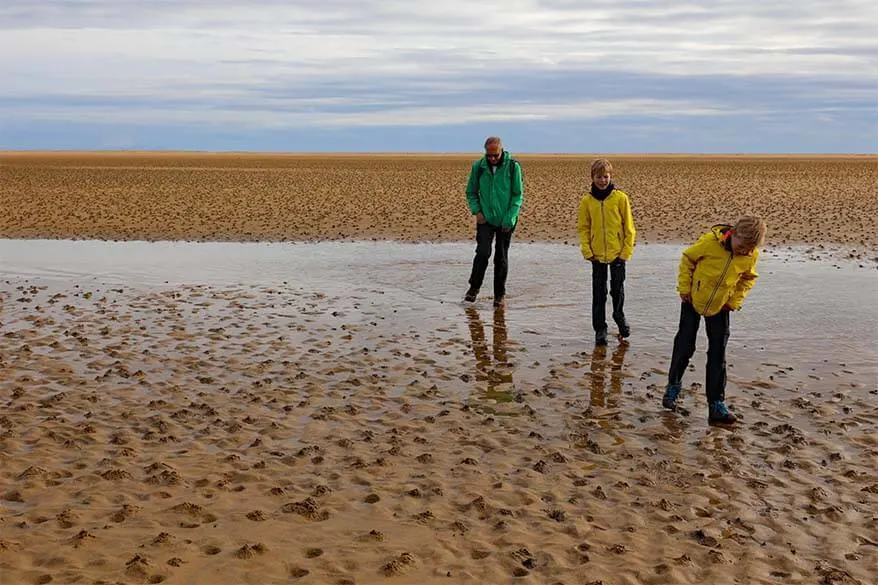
point(720, 232)
point(720, 229)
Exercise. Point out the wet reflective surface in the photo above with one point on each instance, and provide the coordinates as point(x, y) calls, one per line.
point(816, 315)
point(180, 375)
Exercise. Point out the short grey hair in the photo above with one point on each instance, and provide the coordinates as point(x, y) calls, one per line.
point(493, 140)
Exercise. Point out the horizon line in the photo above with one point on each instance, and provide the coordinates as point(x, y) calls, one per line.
point(419, 153)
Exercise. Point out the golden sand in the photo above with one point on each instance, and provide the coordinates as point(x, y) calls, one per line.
point(198, 434)
point(247, 197)
point(231, 434)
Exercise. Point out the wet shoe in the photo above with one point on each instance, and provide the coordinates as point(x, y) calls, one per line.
point(471, 295)
point(624, 331)
point(600, 338)
point(500, 302)
point(669, 400)
point(717, 413)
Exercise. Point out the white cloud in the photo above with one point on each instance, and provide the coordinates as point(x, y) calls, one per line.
point(382, 35)
point(237, 53)
point(299, 113)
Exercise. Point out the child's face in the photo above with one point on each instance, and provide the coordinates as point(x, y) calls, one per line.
point(741, 248)
point(601, 179)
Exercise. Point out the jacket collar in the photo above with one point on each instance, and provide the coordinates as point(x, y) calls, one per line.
point(601, 194)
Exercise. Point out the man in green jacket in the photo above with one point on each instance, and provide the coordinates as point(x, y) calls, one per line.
point(494, 194)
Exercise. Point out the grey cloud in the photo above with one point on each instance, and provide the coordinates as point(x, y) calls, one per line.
point(368, 63)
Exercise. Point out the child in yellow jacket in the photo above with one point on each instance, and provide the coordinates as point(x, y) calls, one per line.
point(716, 274)
point(606, 237)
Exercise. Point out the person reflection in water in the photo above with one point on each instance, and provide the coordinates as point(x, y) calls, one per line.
point(496, 372)
point(598, 396)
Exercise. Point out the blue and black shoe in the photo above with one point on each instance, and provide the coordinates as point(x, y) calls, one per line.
point(669, 400)
point(718, 413)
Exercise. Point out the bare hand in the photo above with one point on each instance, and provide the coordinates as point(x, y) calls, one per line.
point(728, 307)
point(686, 298)
point(480, 219)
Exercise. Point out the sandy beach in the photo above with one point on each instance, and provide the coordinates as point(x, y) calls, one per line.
point(259, 197)
point(331, 413)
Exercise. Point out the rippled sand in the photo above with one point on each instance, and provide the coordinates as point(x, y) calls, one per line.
point(357, 424)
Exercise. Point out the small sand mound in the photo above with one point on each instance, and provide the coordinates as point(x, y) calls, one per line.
point(398, 565)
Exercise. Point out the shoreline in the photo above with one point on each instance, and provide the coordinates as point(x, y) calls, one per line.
point(427, 154)
point(824, 251)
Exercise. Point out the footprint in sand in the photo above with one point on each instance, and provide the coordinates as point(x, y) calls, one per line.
point(298, 572)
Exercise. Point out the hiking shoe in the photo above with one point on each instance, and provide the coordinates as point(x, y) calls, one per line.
point(717, 413)
point(471, 295)
point(669, 400)
point(500, 302)
point(600, 338)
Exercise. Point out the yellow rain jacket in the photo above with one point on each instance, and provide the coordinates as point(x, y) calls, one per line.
point(606, 228)
point(713, 275)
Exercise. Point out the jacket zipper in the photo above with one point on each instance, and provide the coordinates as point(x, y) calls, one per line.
point(718, 283)
point(491, 178)
point(491, 174)
point(604, 225)
point(494, 175)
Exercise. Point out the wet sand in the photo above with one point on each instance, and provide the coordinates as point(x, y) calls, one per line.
point(331, 413)
point(262, 197)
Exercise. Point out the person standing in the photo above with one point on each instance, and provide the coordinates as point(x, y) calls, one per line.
point(494, 194)
point(606, 239)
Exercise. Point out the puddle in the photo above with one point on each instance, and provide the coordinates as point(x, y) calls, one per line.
point(807, 334)
point(811, 318)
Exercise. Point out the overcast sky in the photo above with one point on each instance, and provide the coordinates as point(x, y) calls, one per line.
point(361, 75)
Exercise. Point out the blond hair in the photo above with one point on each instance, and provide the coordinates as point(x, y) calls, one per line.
point(599, 166)
point(750, 229)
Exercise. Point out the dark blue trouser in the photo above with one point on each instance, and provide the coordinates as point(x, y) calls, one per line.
point(684, 347)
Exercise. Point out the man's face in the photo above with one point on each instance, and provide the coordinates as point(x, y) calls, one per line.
point(493, 152)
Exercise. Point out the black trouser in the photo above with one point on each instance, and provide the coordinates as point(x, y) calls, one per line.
point(599, 294)
point(485, 233)
point(684, 347)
